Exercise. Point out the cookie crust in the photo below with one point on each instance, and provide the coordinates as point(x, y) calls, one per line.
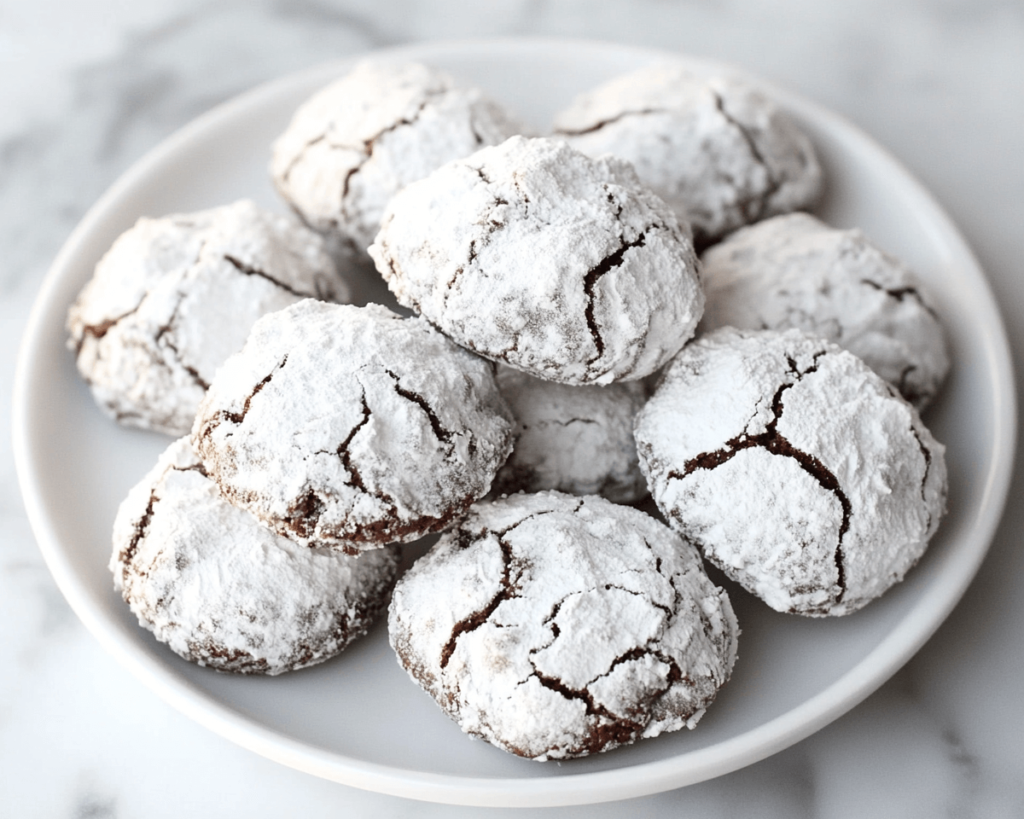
point(224, 592)
point(577, 440)
point(357, 142)
point(717, 150)
point(175, 296)
point(352, 427)
point(531, 254)
point(793, 467)
point(554, 626)
point(796, 271)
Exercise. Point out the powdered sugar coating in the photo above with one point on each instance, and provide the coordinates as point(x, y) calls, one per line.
point(796, 271)
point(573, 439)
point(352, 427)
point(793, 467)
point(222, 591)
point(175, 296)
point(357, 142)
point(716, 149)
point(554, 626)
point(532, 254)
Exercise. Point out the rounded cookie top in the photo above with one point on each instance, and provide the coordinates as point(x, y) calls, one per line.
point(714, 148)
point(573, 439)
point(175, 296)
point(555, 626)
point(793, 467)
point(558, 265)
point(796, 271)
point(357, 142)
point(352, 427)
point(222, 591)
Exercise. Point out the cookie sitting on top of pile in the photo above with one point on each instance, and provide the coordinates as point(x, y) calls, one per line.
point(352, 427)
point(532, 254)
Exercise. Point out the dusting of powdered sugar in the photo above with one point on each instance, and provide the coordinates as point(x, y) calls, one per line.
point(175, 296)
point(352, 427)
point(573, 439)
point(796, 271)
point(358, 141)
point(793, 467)
point(555, 626)
point(558, 265)
point(716, 149)
point(222, 591)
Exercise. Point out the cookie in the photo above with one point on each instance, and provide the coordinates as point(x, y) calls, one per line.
point(796, 271)
point(352, 427)
point(175, 296)
point(357, 142)
point(717, 150)
point(531, 254)
point(224, 592)
point(577, 440)
point(793, 467)
point(554, 626)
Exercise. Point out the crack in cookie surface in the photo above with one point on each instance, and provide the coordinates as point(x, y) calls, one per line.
point(127, 555)
point(98, 331)
point(164, 334)
point(611, 729)
point(250, 270)
point(342, 450)
point(775, 443)
point(368, 145)
point(507, 589)
point(440, 432)
point(901, 293)
point(593, 276)
point(601, 123)
point(754, 205)
point(140, 526)
point(479, 617)
point(238, 417)
point(300, 155)
point(490, 227)
point(927, 455)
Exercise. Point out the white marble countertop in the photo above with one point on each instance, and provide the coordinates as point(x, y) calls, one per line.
point(87, 86)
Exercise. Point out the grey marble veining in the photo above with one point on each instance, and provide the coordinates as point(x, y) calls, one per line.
point(87, 87)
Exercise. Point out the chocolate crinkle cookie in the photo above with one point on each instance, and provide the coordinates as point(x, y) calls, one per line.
point(714, 148)
point(352, 427)
point(574, 439)
point(555, 626)
point(357, 142)
point(796, 469)
point(796, 271)
point(532, 254)
point(223, 591)
point(175, 296)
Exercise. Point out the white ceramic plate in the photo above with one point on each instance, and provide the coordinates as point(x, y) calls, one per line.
point(358, 719)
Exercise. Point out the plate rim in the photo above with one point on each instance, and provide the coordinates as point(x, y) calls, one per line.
point(621, 783)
